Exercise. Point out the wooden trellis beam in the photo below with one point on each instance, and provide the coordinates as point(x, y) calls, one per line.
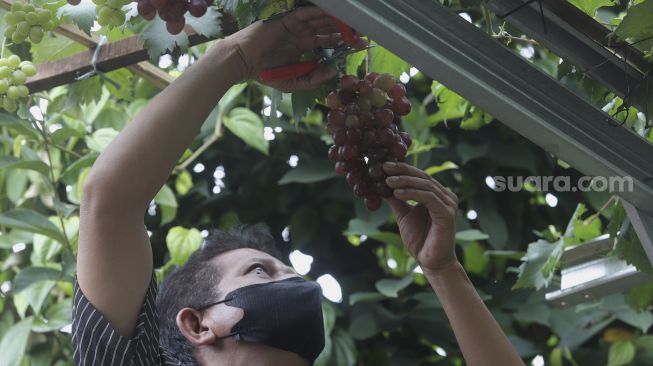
point(128, 52)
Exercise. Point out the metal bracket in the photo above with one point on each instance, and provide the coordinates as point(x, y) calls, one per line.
point(643, 225)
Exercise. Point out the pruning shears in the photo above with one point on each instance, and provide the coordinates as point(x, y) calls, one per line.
point(349, 37)
point(304, 68)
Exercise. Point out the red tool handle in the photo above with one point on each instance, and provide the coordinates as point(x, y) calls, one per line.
point(289, 72)
point(349, 36)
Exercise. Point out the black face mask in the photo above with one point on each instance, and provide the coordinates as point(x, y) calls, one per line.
point(284, 314)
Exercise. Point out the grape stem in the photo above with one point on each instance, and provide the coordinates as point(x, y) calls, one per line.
point(217, 134)
point(2, 50)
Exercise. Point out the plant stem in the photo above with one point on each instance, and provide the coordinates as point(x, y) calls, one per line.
point(217, 133)
point(53, 183)
point(589, 220)
point(512, 38)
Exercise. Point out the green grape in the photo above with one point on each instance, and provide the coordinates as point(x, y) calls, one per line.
point(9, 105)
point(44, 15)
point(28, 8)
point(32, 18)
point(13, 61)
point(99, 2)
point(18, 77)
point(4, 62)
point(13, 92)
point(48, 26)
point(114, 4)
point(36, 34)
point(118, 17)
point(19, 15)
point(4, 85)
point(16, 6)
point(23, 28)
point(18, 38)
point(105, 12)
point(5, 72)
point(22, 91)
point(11, 19)
point(10, 31)
point(103, 21)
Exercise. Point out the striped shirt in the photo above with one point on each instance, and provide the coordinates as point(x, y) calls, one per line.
point(96, 343)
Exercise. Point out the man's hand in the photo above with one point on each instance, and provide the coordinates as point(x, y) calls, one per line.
point(281, 42)
point(428, 229)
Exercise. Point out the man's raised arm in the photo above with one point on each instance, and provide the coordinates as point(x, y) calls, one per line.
point(114, 255)
point(428, 230)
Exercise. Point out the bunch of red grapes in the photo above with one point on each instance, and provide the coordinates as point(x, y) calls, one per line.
point(172, 11)
point(364, 123)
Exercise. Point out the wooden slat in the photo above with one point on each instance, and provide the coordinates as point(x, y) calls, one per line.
point(128, 52)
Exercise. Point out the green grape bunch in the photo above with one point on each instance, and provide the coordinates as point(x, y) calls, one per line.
point(110, 12)
point(13, 75)
point(27, 21)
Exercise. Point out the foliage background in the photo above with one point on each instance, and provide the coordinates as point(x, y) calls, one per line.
point(255, 168)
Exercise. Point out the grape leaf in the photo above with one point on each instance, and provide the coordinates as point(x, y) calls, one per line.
point(536, 258)
point(590, 6)
point(158, 40)
point(247, 125)
point(82, 14)
point(630, 249)
point(208, 25)
point(621, 353)
point(54, 48)
point(637, 22)
point(182, 243)
point(384, 61)
point(120, 84)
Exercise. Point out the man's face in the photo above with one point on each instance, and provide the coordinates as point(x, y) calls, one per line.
point(239, 268)
point(242, 267)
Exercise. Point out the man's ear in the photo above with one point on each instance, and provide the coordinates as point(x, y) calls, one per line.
point(192, 325)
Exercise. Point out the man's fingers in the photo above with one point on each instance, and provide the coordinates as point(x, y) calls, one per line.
point(392, 168)
point(399, 207)
point(427, 198)
point(426, 184)
point(324, 41)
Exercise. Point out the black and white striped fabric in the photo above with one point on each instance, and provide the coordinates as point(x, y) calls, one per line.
point(96, 343)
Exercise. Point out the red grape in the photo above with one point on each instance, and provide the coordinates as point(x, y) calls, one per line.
point(159, 4)
point(333, 100)
point(406, 138)
point(333, 152)
point(348, 82)
point(340, 136)
point(144, 7)
point(352, 121)
point(197, 8)
point(353, 135)
point(340, 168)
point(372, 202)
point(384, 117)
point(382, 189)
point(347, 96)
point(376, 172)
point(385, 82)
point(372, 76)
point(337, 118)
point(401, 106)
point(398, 91)
point(176, 25)
point(360, 189)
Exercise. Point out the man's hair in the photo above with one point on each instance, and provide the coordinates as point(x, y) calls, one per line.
point(194, 284)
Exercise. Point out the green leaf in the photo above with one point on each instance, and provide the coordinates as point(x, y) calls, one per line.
point(183, 182)
point(636, 25)
point(365, 297)
point(158, 40)
point(182, 243)
point(14, 342)
point(640, 297)
point(17, 181)
point(101, 139)
point(384, 61)
point(344, 349)
point(391, 287)
point(435, 169)
point(354, 61)
point(229, 98)
point(71, 172)
point(363, 326)
point(630, 249)
point(57, 316)
point(31, 275)
point(311, 171)
point(10, 162)
point(166, 197)
point(450, 104)
point(208, 25)
point(32, 221)
point(82, 14)
point(470, 235)
point(123, 87)
point(476, 119)
point(590, 6)
point(474, 260)
point(537, 256)
point(247, 125)
point(621, 353)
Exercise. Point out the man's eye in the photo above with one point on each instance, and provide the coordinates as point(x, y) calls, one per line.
point(258, 268)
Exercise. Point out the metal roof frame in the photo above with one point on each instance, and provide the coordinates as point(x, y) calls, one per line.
point(490, 75)
point(577, 47)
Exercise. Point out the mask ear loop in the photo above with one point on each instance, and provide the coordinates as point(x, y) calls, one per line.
point(236, 334)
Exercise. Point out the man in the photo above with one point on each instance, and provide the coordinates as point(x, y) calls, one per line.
point(235, 303)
